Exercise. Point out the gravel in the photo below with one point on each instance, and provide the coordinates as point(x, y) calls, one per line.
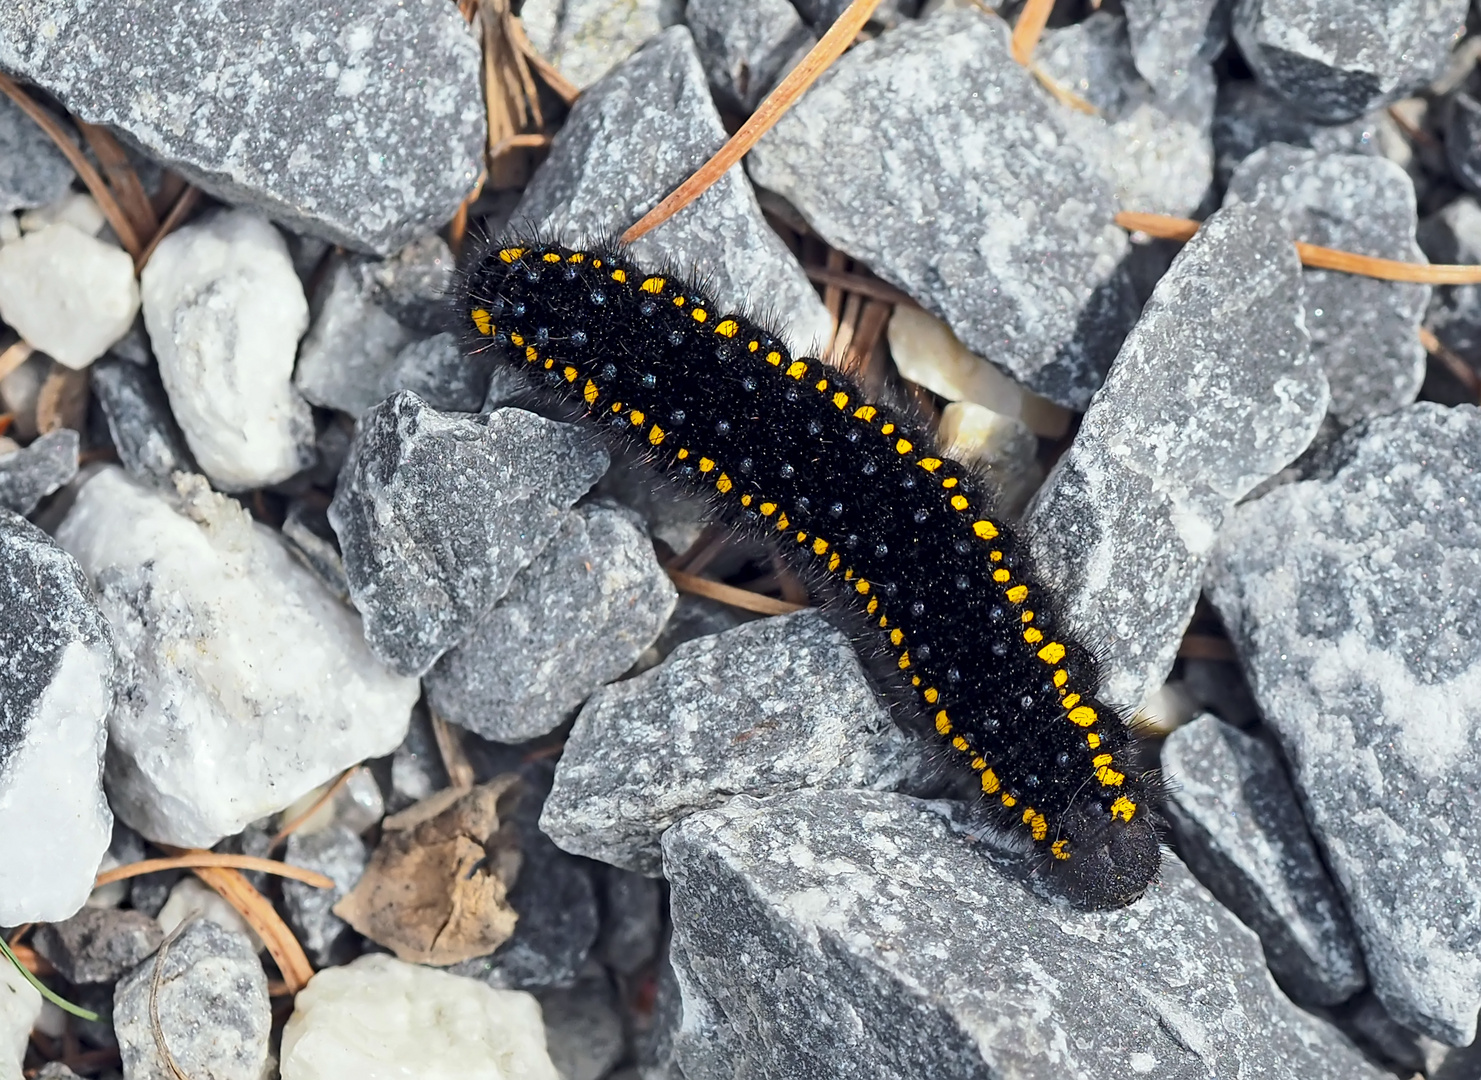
point(98, 945)
point(33, 472)
point(150, 444)
point(340, 854)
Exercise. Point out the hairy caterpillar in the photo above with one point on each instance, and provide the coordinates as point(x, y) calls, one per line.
point(858, 499)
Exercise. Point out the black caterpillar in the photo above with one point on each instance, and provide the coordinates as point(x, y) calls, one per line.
point(856, 497)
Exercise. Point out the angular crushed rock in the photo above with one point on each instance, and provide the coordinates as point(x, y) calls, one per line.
point(98, 945)
point(851, 934)
point(773, 705)
point(437, 513)
point(1214, 391)
point(439, 372)
point(1169, 37)
point(632, 139)
point(363, 124)
point(744, 45)
point(939, 125)
point(575, 618)
point(33, 472)
point(150, 444)
point(1364, 332)
point(1453, 235)
point(1247, 116)
point(339, 854)
point(585, 39)
point(1353, 600)
point(33, 172)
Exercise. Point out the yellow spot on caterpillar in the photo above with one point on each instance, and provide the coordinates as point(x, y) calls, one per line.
point(700, 314)
point(1008, 800)
point(821, 385)
point(570, 373)
point(863, 587)
point(745, 500)
point(887, 429)
point(706, 465)
point(530, 353)
point(848, 575)
point(949, 482)
point(683, 453)
point(797, 369)
point(958, 502)
point(985, 530)
point(678, 301)
point(767, 509)
point(590, 393)
point(802, 538)
point(1016, 595)
point(1092, 740)
point(1060, 849)
point(833, 561)
point(819, 546)
point(616, 406)
point(961, 744)
point(637, 418)
point(884, 621)
point(1061, 677)
point(1109, 777)
point(915, 680)
point(654, 285)
point(774, 359)
point(1052, 653)
point(989, 781)
point(551, 256)
point(943, 723)
point(840, 399)
point(1039, 826)
point(575, 256)
point(995, 556)
point(1083, 715)
point(1001, 575)
point(655, 435)
point(896, 636)
point(903, 447)
point(1026, 617)
point(904, 661)
point(723, 484)
point(978, 764)
point(1100, 760)
point(873, 604)
point(781, 523)
point(753, 346)
point(931, 696)
point(516, 339)
point(1069, 701)
point(597, 263)
point(618, 276)
point(930, 464)
point(549, 363)
point(1032, 635)
point(865, 413)
point(510, 254)
point(1123, 808)
point(483, 320)
point(728, 328)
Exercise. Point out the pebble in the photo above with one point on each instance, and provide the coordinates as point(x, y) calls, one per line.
point(341, 855)
point(379, 1018)
point(98, 945)
point(940, 125)
point(439, 372)
point(210, 1003)
point(191, 898)
point(1240, 830)
point(73, 208)
point(1247, 116)
point(619, 154)
point(673, 516)
point(1365, 675)
point(583, 1030)
point(745, 46)
point(907, 953)
point(33, 472)
point(1170, 38)
point(363, 125)
point(242, 682)
point(66, 293)
point(357, 804)
point(1453, 235)
point(1214, 391)
point(224, 311)
point(1364, 332)
point(20, 1008)
point(1462, 136)
point(55, 693)
point(352, 344)
point(770, 706)
point(33, 172)
point(574, 619)
point(150, 444)
point(1335, 67)
point(437, 513)
point(585, 39)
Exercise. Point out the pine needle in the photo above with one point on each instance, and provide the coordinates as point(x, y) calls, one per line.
point(192, 860)
point(729, 594)
point(1029, 28)
point(45, 991)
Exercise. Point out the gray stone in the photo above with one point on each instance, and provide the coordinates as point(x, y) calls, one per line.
point(55, 693)
point(1240, 831)
point(98, 945)
point(631, 140)
point(338, 853)
point(1338, 67)
point(821, 14)
point(583, 1031)
point(850, 934)
point(965, 189)
point(744, 46)
point(303, 529)
point(437, 513)
point(412, 285)
point(673, 515)
point(416, 766)
point(211, 1004)
point(574, 619)
point(1453, 235)
point(441, 373)
point(632, 920)
point(1170, 37)
point(149, 442)
point(360, 124)
point(1364, 332)
point(352, 343)
point(1353, 600)
point(585, 39)
point(33, 172)
point(1247, 117)
point(1463, 140)
point(770, 706)
point(1214, 391)
point(33, 472)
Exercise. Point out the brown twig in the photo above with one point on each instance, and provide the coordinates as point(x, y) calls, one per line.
point(564, 88)
point(62, 400)
point(832, 45)
point(1452, 362)
point(873, 321)
point(179, 210)
point(296, 823)
point(1026, 32)
point(14, 356)
point(729, 594)
point(157, 977)
point(450, 746)
point(193, 860)
point(123, 181)
point(859, 283)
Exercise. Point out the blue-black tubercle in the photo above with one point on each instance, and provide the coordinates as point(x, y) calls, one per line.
point(857, 498)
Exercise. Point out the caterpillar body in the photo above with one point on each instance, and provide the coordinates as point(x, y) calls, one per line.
point(854, 495)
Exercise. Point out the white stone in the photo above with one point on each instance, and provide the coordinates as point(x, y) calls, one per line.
point(242, 682)
point(585, 39)
point(379, 1018)
point(20, 1007)
point(224, 310)
point(192, 897)
point(67, 293)
point(75, 208)
point(357, 805)
point(928, 353)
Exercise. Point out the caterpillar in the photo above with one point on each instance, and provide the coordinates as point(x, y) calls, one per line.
point(860, 500)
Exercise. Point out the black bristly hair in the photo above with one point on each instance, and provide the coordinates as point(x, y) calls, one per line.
point(859, 499)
